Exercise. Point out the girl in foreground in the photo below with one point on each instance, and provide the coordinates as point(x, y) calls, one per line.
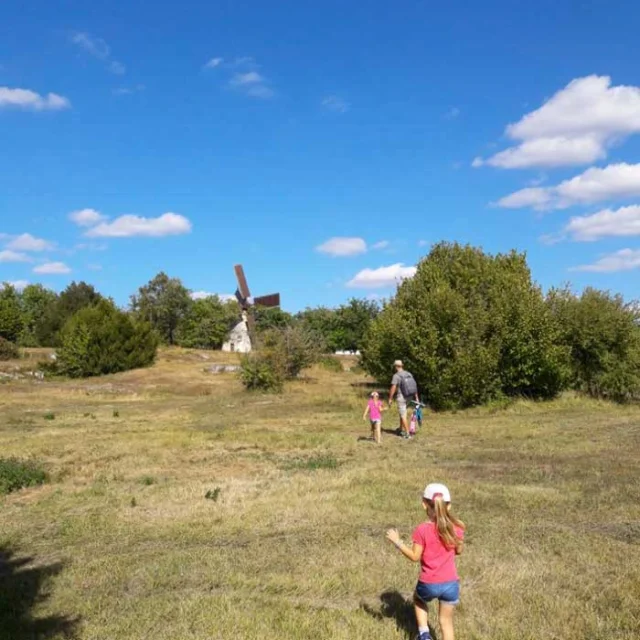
point(436, 543)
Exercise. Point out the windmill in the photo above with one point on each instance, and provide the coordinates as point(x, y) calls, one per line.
point(240, 336)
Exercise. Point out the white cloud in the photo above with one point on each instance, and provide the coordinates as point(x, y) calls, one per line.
point(575, 126)
point(383, 244)
point(213, 63)
point(594, 185)
point(86, 217)
point(200, 295)
point(19, 285)
point(381, 277)
point(336, 104)
point(606, 223)
point(96, 47)
point(168, 224)
point(341, 247)
point(13, 256)
point(99, 49)
point(30, 100)
point(52, 268)
point(251, 83)
point(27, 242)
point(623, 260)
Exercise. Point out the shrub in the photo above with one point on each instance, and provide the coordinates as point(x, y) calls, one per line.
point(102, 339)
point(258, 372)
point(8, 350)
point(602, 337)
point(207, 323)
point(331, 363)
point(16, 474)
point(213, 494)
point(10, 313)
point(470, 327)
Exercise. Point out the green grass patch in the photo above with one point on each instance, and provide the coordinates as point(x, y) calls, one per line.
point(16, 474)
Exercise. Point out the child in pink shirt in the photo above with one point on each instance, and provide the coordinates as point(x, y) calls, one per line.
point(374, 409)
point(436, 543)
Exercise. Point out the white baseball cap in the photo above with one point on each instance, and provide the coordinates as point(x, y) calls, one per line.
point(435, 489)
point(397, 363)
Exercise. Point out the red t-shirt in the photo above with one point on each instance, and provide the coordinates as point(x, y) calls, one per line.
point(438, 563)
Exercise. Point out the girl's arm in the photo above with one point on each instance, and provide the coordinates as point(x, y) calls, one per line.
point(366, 411)
point(413, 553)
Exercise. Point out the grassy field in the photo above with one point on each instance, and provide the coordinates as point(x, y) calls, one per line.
point(180, 507)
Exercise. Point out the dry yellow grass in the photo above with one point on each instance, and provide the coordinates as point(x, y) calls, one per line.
point(123, 543)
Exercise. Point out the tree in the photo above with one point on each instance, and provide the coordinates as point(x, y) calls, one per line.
point(352, 322)
point(163, 302)
point(207, 323)
point(10, 313)
point(102, 339)
point(471, 327)
point(272, 318)
point(602, 336)
point(321, 321)
point(36, 302)
point(78, 295)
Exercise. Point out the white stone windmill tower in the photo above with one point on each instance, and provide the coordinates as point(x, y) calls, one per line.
point(241, 335)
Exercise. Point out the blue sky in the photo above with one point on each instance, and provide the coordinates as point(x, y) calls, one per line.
point(323, 145)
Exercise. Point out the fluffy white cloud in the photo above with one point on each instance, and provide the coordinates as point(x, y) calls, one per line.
point(623, 260)
point(381, 277)
point(199, 295)
point(336, 103)
point(30, 100)
point(213, 63)
point(13, 256)
point(52, 268)
point(575, 126)
point(594, 185)
point(168, 224)
point(383, 244)
point(606, 223)
point(252, 83)
point(99, 49)
point(340, 247)
point(19, 285)
point(86, 217)
point(27, 242)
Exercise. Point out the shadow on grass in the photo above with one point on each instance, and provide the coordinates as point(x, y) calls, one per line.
point(395, 606)
point(22, 587)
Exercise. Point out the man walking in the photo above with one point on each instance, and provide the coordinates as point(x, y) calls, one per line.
point(404, 387)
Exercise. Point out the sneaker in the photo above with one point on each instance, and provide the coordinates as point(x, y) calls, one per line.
point(405, 436)
point(424, 636)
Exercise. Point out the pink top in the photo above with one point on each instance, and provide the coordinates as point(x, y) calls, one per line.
point(438, 563)
point(375, 407)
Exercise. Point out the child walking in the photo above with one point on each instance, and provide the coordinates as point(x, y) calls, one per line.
point(436, 543)
point(374, 409)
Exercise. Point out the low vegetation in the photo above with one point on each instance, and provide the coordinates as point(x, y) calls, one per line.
point(549, 491)
point(16, 474)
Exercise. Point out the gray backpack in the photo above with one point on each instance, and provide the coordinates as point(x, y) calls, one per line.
point(408, 386)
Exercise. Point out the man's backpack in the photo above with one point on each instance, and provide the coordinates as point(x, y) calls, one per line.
point(408, 386)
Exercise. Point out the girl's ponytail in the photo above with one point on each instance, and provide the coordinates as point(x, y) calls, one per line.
point(446, 523)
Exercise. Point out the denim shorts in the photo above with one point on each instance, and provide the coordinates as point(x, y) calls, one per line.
point(447, 592)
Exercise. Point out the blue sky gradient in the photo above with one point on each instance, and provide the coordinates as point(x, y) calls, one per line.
point(319, 121)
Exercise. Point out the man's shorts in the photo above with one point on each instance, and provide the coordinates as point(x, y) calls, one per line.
point(402, 406)
point(447, 592)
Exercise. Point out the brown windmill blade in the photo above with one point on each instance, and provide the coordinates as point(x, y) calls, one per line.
point(243, 287)
point(269, 301)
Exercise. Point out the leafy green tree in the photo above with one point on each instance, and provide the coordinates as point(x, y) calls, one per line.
point(207, 323)
point(36, 303)
point(602, 336)
point(321, 321)
point(102, 339)
point(10, 313)
point(273, 318)
point(163, 302)
point(78, 295)
point(470, 327)
point(352, 322)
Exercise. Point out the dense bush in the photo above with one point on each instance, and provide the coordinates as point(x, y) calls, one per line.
point(16, 474)
point(8, 350)
point(10, 313)
point(102, 339)
point(206, 324)
point(39, 306)
point(471, 327)
point(281, 355)
point(602, 336)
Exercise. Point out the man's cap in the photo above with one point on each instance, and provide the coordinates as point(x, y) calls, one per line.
point(435, 489)
point(397, 363)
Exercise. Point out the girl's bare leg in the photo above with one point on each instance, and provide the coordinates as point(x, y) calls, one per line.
point(422, 616)
point(378, 433)
point(446, 620)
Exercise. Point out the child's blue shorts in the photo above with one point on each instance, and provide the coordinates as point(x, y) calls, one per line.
point(447, 592)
